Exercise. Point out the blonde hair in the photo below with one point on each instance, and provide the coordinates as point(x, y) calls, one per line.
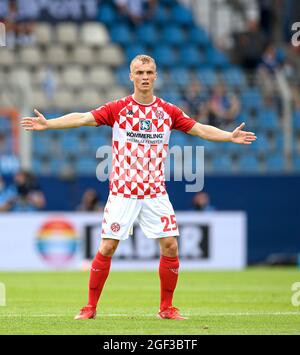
point(145, 59)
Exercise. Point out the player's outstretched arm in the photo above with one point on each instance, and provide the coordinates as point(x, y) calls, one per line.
point(71, 120)
point(215, 134)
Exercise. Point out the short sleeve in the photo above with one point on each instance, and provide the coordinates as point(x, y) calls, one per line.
point(181, 121)
point(104, 115)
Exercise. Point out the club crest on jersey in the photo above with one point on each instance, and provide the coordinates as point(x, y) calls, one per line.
point(159, 114)
point(145, 125)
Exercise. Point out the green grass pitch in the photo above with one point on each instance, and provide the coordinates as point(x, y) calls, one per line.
point(254, 301)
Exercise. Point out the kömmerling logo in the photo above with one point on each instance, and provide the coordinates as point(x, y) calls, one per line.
point(2, 35)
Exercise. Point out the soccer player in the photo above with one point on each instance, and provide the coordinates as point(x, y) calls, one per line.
point(141, 125)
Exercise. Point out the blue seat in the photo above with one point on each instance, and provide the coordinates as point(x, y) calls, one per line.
point(178, 138)
point(275, 163)
point(41, 143)
point(190, 55)
point(268, 119)
point(122, 76)
point(262, 144)
point(250, 99)
point(69, 142)
point(179, 76)
point(198, 35)
point(161, 15)
point(296, 162)
point(5, 124)
point(171, 96)
point(147, 34)
point(121, 34)
point(173, 35)
point(207, 77)
point(86, 166)
point(107, 14)
point(234, 77)
point(182, 15)
point(296, 120)
point(216, 59)
point(133, 50)
point(248, 163)
point(222, 163)
point(165, 56)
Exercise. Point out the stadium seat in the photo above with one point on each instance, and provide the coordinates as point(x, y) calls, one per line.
point(7, 57)
point(82, 55)
point(165, 56)
point(147, 34)
point(121, 34)
point(63, 99)
point(268, 119)
point(43, 33)
point(122, 76)
point(5, 124)
point(251, 99)
point(161, 15)
point(67, 33)
point(69, 142)
point(275, 163)
point(133, 50)
point(173, 35)
point(100, 76)
point(216, 59)
point(296, 120)
point(179, 76)
point(262, 144)
point(249, 163)
point(222, 163)
point(107, 14)
point(234, 77)
point(30, 56)
point(111, 55)
point(182, 15)
point(56, 55)
point(190, 56)
point(198, 36)
point(94, 34)
point(89, 98)
point(296, 162)
point(86, 166)
point(73, 76)
point(207, 77)
point(115, 93)
point(41, 101)
point(20, 74)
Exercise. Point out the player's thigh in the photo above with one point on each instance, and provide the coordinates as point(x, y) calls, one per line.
point(118, 217)
point(157, 218)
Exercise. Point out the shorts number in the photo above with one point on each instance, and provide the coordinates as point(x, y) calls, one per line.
point(169, 221)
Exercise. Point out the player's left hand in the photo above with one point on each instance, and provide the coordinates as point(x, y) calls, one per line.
point(242, 137)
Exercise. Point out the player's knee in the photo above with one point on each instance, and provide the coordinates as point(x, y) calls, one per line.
point(107, 248)
point(170, 249)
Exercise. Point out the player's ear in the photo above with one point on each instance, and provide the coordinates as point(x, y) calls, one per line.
point(130, 76)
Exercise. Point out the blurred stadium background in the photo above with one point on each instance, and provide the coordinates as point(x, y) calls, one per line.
point(223, 61)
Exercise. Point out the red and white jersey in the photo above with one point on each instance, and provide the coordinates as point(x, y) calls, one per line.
point(139, 144)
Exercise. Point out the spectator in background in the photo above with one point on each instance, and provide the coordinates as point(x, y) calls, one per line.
point(249, 46)
point(194, 101)
point(223, 108)
point(17, 32)
point(90, 201)
point(7, 196)
point(136, 10)
point(29, 197)
point(201, 202)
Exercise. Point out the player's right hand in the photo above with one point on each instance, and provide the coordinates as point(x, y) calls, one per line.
point(37, 123)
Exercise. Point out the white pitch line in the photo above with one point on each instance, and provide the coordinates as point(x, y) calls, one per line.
point(237, 314)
